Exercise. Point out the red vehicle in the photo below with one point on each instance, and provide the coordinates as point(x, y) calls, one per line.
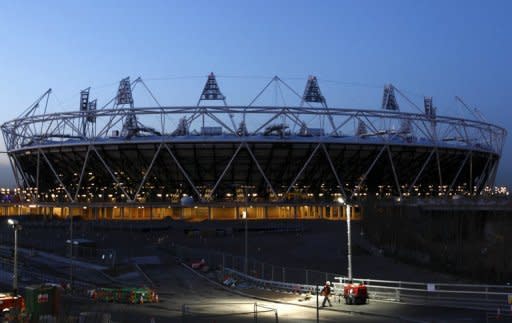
point(8, 302)
point(198, 264)
point(355, 293)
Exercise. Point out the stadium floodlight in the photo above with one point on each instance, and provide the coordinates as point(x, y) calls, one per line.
point(211, 90)
point(389, 101)
point(91, 117)
point(124, 93)
point(84, 99)
point(312, 91)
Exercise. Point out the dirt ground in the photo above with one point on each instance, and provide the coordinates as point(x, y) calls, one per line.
point(314, 245)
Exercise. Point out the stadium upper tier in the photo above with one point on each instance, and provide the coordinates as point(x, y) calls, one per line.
point(270, 153)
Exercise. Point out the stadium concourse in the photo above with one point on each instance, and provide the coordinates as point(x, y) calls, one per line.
point(192, 213)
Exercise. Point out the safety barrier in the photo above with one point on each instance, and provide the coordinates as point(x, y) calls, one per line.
point(27, 276)
point(202, 312)
point(469, 296)
point(498, 317)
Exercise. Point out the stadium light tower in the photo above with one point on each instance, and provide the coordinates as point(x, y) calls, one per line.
point(16, 226)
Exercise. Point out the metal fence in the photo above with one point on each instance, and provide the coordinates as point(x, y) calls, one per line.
point(498, 317)
point(470, 296)
point(255, 268)
point(29, 276)
point(476, 297)
point(224, 312)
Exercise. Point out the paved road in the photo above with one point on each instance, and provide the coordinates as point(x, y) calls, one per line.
point(207, 302)
point(178, 286)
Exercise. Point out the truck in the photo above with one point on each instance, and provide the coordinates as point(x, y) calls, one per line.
point(10, 303)
point(355, 293)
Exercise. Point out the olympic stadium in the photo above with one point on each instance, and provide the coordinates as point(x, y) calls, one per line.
point(217, 161)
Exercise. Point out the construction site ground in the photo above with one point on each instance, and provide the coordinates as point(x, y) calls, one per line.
point(317, 245)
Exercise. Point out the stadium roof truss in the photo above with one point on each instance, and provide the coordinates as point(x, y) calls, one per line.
point(36, 143)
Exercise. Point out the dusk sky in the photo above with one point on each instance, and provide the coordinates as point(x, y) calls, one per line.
point(437, 48)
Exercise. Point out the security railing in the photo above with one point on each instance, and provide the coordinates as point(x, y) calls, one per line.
point(224, 311)
point(469, 296)
point(479, 297)
point(28, 276)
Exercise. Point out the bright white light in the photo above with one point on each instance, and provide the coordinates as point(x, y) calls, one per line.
point(11, 221)
point(340, 200)
point(244, 214)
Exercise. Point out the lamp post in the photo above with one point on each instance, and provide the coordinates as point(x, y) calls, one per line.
point(349, 236)
point(244, 216)
point(71, 243)
point(16, 226)
point(349, 245)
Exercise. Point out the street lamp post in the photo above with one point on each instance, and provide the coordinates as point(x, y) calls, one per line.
point(349, 245)
point(348, 209)
point(16, 226)
point(71, 243)
point(244, 216)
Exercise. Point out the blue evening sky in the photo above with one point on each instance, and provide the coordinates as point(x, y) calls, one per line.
point(438, 48)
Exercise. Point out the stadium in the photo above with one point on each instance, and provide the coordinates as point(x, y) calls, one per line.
point(221, 162)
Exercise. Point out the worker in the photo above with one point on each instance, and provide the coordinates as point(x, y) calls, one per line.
point(326, 292)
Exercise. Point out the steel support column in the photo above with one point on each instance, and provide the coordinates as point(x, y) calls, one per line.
point(302, 169)
point(225, 170)
point(439, 167)
point(79, 185)
point(183, 172)
point(56, 175)
point(363, 178)
point(259, 168)
point(148, 171)
point(37, 173)
point(421, 170)
point(129, 199)
point(397, 182)
point(458, 171)
point(338, 179)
